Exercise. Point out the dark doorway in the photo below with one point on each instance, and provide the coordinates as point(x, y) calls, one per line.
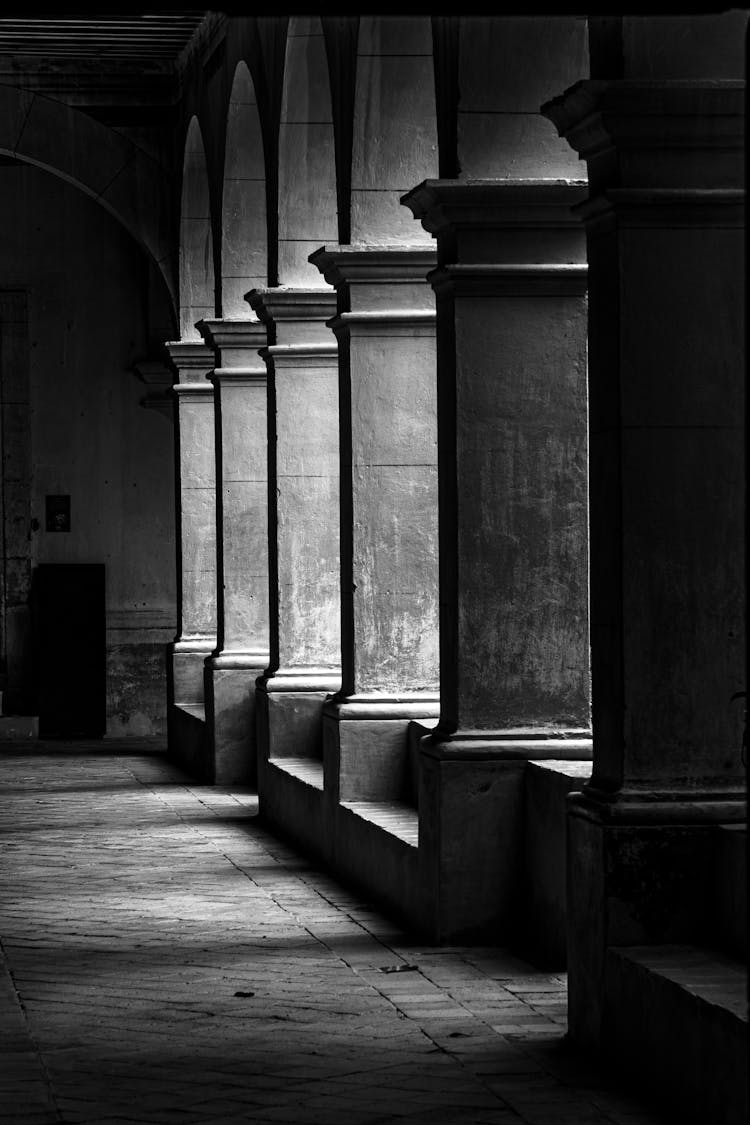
point(70, 650)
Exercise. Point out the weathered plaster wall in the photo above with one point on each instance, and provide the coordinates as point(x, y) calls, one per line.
point(90, 438)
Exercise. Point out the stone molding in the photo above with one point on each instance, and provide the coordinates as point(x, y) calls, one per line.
point(414, 322)
point(619, 127)
point(235, 343)
point(658, 804)
point(302, 679)
point(195, 642)
point(301, 355)
point(190, 359)
point(288, 303)
point(490, 205)
point(635, 208)
point(394, 265)
point(239, 658)
point(194, 391)
point(518, 280)
point(399, 705)
point(486, 745)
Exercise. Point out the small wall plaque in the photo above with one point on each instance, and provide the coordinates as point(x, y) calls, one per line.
point(57, 513)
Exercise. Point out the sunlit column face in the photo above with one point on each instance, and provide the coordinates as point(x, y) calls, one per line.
point(307, 165)
point(244, 238)
point(395, 130)
point(197, 296)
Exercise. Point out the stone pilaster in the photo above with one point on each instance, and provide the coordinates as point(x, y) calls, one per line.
point(195, 507)
point(241, 653)
point(511, 331)
point(305, 605)
point(385, 328)
point(666, 399)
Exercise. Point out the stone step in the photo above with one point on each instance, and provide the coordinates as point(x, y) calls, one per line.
point(13, 727)
point(681, 1027)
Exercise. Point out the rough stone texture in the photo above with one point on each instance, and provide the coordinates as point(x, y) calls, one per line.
point(388, 438)
point(395, 136)
point(304, 577)
point(15, 505)
point(78, 429)
point(137, 908)
point(136, 688)
point(230, 721)
point(294, 724)
point(244, 241)
point(512, 454)
point(307, 499)
point(543, 929)
point(197, 294)
point(506, 68)
point(364, 759)
point(471, 841)
point(679, 1022)
point(307, 170)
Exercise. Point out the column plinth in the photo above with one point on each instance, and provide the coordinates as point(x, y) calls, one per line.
point(195, 508)
point(241, 652)
point(666, 399)
point(385, 327)
point(510, 288)
point(305, 647)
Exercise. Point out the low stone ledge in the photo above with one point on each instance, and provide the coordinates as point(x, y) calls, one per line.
point(309, 771)
point(676, 1021)
point(195, 710)
point(395, 817)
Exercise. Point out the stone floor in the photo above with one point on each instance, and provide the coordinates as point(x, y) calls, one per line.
point(166, 959)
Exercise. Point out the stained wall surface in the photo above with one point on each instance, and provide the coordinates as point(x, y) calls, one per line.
point(90, 438)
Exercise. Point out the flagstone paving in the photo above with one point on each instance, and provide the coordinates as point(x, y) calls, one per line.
point(167, 959)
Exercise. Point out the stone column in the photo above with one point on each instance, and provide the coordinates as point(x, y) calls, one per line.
point(241, 652)
point(305, 607)
point(195, 510)
point(389, 613)
point(511, 312)
point(666, 398)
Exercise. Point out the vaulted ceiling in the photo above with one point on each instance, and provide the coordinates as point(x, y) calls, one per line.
point(153, 38)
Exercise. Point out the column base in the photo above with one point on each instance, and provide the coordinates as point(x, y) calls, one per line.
point(231, 743)
point(290, 712)
point(473, 834)
point(642, 865)
point(365, 744)
point(186, 718)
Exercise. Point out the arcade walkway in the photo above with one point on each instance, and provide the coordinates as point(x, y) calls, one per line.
point(165, 959)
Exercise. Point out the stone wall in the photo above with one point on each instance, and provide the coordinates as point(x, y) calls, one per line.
point(85, 280)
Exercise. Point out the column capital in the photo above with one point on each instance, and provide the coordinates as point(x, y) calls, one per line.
point(190, 359)
point(670, 133)
point(344, 265)
point(509, 222)
point(453, 204)
point(295, 317)
point(236, 343)
point(286, 303)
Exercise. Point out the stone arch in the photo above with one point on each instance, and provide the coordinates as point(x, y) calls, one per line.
point(395, 126)
point(105, 165)
point(244, 238)
point(197, 293)
point(307, 166)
